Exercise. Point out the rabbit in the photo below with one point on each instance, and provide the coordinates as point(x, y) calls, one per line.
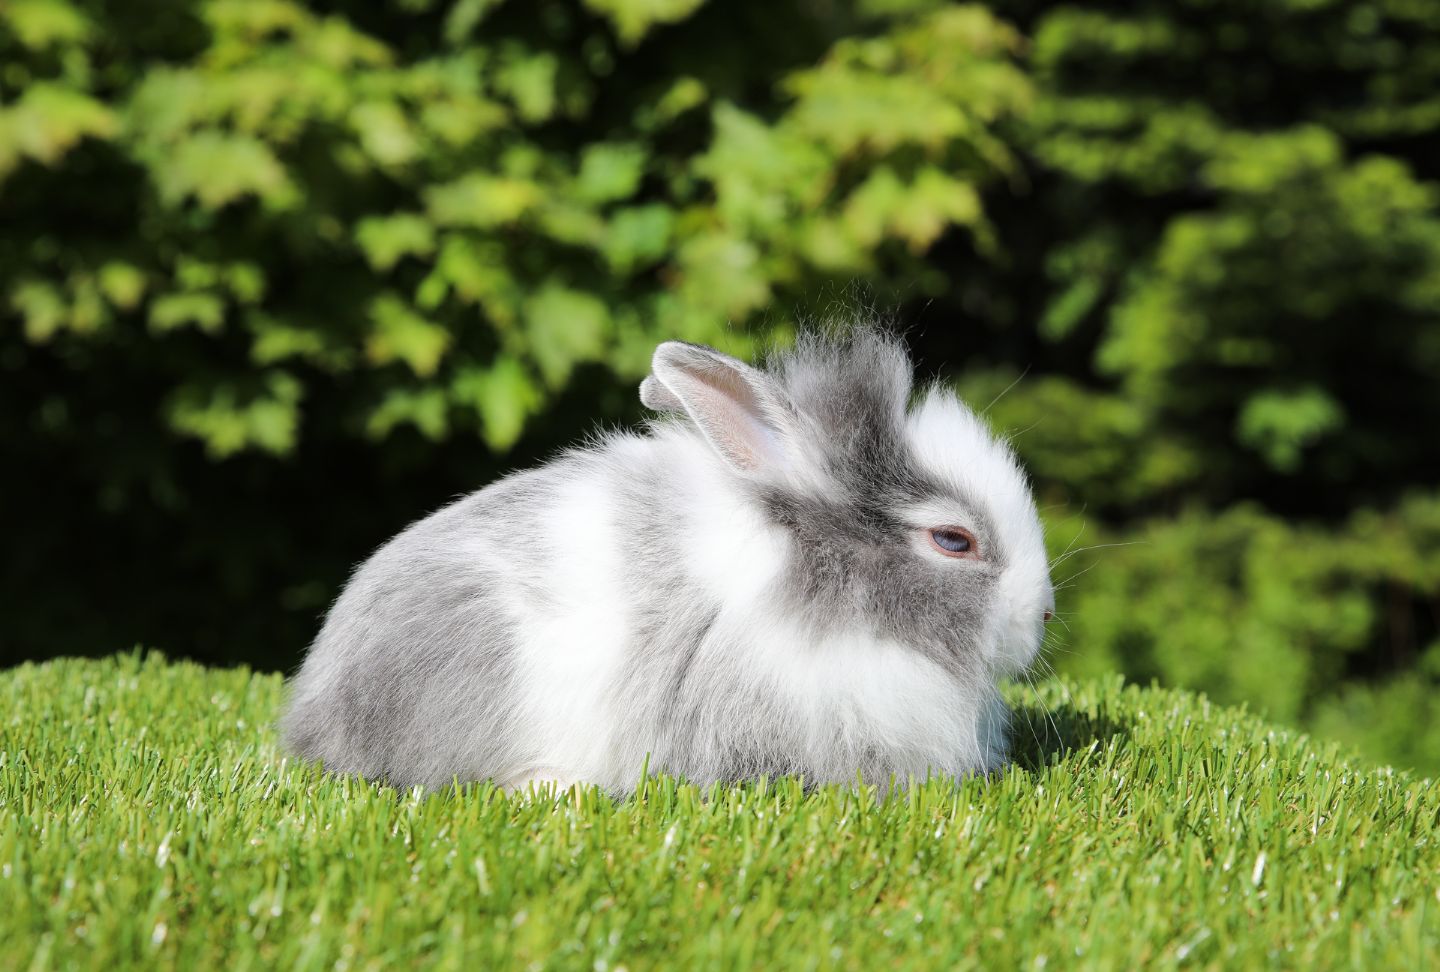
point(791, 570)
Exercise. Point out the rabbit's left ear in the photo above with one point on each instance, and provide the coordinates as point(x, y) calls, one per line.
point(738, 408)
point(657, 397)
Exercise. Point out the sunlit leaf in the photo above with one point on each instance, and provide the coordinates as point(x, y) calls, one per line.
point(39, 24)
point(851, 112)
point(464, 16)
point(1282, 424)
point(460, 122)
point(528, 78)
point(123, 284)
point(610, 171)
point(426, 409)
point(633, 19)
point(384, 132)
point(204, 311)
point(48, 120)
point(401, 334)
point(275, 340)
point(215, 169)
point(477, 274)
point(231, 417)
point(42, 307)
point(503, 394)
point(481, 201)
point(637, 236)
point(386, 239)
point(722, 273)
point(565, 327)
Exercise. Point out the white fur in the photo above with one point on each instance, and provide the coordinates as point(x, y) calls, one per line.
point(954, 444)
point(576, 644)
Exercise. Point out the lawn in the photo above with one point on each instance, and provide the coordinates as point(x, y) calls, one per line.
point(148, 819)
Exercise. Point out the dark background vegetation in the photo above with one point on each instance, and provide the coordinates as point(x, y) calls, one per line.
point(278, 278)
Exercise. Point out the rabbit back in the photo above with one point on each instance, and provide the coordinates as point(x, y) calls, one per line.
point(415, 676)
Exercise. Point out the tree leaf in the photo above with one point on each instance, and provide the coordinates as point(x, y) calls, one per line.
point(504, 395)
point(464, 16)
point(633, 19)
point(384, 132)
point(48, 120)
point(1280, 425)
point(204, 311)
point(637, 236)
point(123, 284)
point(528, 78)
point(722, 274)
point(386, 239)
point(42, 306)
point(216, 168)
point(481, 201)
point(565, 327)
point(426, 409)
point(231, 417)
point(402, 334)
point(40, 24)
point(610, 171)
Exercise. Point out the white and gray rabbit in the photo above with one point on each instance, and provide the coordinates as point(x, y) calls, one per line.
point(792, 572)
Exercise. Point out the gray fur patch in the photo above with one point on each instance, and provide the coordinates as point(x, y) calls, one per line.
point(412, 678)
point(855, 565)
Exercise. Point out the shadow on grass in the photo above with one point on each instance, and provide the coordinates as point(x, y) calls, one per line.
point(1042, 734)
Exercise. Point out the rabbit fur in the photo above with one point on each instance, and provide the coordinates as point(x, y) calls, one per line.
point(745, 586)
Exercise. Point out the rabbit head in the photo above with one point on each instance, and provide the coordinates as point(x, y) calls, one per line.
point(906, 519)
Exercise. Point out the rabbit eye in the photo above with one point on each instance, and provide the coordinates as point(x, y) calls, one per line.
point(954, 542)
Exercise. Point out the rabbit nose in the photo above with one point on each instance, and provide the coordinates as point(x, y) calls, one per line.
point(1049, 615)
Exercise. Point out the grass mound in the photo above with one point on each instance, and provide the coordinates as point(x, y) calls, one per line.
point(147, 819)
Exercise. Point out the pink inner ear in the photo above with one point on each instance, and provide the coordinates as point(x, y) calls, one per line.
point(730, 412)
point(746, 446)
point(725, 404)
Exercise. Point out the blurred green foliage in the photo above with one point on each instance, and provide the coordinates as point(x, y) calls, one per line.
point(1227, 264)
point(456, 227)
point(275, 279)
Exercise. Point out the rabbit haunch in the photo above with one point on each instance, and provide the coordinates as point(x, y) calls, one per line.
point(748, 586)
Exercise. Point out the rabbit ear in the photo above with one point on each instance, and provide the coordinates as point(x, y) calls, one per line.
point(737, 408)
point(657, 397)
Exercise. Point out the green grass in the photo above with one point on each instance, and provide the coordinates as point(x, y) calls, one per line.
point(147, 819)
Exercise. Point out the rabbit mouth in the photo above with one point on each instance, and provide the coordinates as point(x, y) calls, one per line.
point(1015, 645)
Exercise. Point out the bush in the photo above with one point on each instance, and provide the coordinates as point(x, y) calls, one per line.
point(255, 258)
